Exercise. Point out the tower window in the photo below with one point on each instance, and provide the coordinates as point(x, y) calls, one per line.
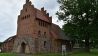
point(25, 17)
point(26, 10)
point(29, 15)
point(39, 33)
point(39, 22)
point(45, 44)
point(43, 23)
point(22, 17)
point(45, 34)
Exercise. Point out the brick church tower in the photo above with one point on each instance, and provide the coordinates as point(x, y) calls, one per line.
point(33, 28)
point(36, 33)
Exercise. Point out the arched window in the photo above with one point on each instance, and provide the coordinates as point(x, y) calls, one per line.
point(29, 15)
point(25, 17)
point(39, 33)
point(43, 24)
point(39, 22)
point(22, 18)
point(44, 44)
point(26, 10)
point(45, 34)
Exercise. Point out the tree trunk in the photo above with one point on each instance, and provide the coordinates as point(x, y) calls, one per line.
point(87, 46)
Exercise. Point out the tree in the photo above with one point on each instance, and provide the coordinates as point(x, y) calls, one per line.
point(70, 30)
point(83, 14)
point(0, 44)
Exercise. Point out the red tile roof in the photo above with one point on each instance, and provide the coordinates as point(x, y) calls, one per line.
point(42, 16)
point(57, 33)
point(10, 38)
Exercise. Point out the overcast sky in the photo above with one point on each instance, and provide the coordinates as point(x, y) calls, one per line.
point(10, 9)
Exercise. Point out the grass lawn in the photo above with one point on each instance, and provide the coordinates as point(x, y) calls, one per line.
point(94, 52)
point(7, 54)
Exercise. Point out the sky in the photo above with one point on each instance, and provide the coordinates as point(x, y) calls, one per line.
point(10, 9)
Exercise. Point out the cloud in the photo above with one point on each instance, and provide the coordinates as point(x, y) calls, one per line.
point(8, 19)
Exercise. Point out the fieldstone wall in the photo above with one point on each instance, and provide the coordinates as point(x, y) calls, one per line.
point(43, 44)
point(28, 40)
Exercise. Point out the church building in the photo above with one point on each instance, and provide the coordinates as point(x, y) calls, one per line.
point(35, 33)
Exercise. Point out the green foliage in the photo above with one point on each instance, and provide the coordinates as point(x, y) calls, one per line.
point(81, 17)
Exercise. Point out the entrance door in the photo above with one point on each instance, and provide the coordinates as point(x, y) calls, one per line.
point(23, 47)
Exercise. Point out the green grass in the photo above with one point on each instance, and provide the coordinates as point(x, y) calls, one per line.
point(48, 54)
point(7, 54)
point(94, 52)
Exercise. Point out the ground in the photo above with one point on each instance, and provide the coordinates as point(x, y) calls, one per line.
point(94, 52)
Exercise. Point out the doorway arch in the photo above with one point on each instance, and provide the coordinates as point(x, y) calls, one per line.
point(23, 47)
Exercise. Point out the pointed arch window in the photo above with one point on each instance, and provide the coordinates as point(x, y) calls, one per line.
point(39, 33)
point(44, 34)
point(45, 44)
point(26, 10)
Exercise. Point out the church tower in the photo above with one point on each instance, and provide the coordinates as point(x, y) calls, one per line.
point(26, 19)
point(33, 30)
point(24, 42)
